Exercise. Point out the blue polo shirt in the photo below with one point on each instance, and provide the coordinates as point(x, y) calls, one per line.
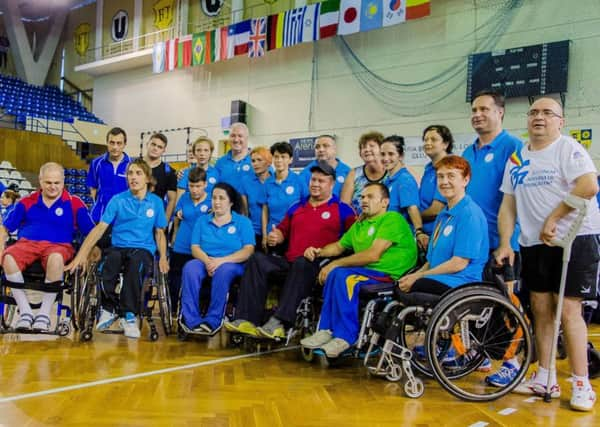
point(220, 241)
point(191, 213)
point(487, 171)
point(107, 180)
point(404, 192)
point(212, 177)
point(428, 193)
point(256, 194)
point(56, 224)
point(234, 172)
point(341, 170)
point(280, 196)
point(598, 194)
point(134, 220)
point(460, 231)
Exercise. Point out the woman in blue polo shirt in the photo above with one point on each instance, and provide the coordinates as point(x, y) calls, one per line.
point(404, 191)
point(202, 150)
point(458, 248)
point(221, 244)
point(282, 189)
point(437, 144)
point(252, 189)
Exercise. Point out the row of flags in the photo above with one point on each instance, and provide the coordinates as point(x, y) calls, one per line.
point(254, 37)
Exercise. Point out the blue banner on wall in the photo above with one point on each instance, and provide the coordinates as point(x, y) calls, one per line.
point(304, 151)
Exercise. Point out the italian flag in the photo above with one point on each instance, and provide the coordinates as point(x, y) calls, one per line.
point(329, 18)
point(171, 54)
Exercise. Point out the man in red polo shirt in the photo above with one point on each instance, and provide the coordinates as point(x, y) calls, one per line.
point(47, 221)
point(314, 221)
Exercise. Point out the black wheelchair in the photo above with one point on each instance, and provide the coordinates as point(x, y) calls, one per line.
point(448, 338)
point(34, 277)
point(154, 296)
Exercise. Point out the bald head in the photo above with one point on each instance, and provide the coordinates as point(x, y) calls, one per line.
point(52, 181)
point(51, 167)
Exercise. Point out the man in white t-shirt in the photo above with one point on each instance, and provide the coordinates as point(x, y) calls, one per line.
point(537, 179)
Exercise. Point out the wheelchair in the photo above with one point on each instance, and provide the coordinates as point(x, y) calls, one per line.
point(448, 338)
point(34, 277)
point(154, 295)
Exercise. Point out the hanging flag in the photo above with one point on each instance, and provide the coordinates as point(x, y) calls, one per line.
point(184, 52)
point(394, 12)
point(238, 36)
point(171, 54)
point(158, 57)
point(221, 43)
point(310, 24)
point(417, 9)
point(199, 47)
point(329, 18)
point(292, 32)
point(349, 22)
point(275, 31)
point(257, 44)
point(371, 15)
point(209, 51)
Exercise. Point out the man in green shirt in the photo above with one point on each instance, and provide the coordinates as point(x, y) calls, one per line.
point(383, 250)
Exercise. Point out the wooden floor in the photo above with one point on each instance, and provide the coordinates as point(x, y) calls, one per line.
point(113, 381)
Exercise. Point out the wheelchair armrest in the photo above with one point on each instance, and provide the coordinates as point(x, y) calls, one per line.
point(416, 298)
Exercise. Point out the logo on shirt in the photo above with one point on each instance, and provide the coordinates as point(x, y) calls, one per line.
point(326, 215)
point(212, 180)
point(341, 179)
point(59, 211)
point(518, 171)
point(489, 157)
point(245, 168)
point(371, 231)
point(289, 190)
point(203, 208)
point(447, 230)
point(231, 229)
point(150, 213)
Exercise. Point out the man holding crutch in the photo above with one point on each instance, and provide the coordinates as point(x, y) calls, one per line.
point(539, 181)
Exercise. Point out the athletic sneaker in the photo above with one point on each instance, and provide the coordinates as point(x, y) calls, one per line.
point(317, 339)
point(106, 319)
point(504, 376)
point(273, 329)
point(242, 326)
point(335, 347)
point(583, 397)
point(486, 366)
point(130, 327)
point(531, 386)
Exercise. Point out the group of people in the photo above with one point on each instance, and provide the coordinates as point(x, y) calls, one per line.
point(251, 218)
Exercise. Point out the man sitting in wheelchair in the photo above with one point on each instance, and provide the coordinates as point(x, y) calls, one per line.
point(384, 249)
point(47, 221)
point(138, 221)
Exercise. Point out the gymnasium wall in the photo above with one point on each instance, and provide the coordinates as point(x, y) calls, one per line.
point(315, 88)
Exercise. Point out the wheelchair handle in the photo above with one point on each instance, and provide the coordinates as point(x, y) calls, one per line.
point(581, 205)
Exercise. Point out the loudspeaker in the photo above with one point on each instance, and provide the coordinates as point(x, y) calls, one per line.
point(238, 111)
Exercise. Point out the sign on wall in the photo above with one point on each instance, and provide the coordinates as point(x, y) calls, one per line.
point(211, 7)
point(584, 136)
point(120, 26)
point(164, 11)
point(81, 38)
point(304, 151)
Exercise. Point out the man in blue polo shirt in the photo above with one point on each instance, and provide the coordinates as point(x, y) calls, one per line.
point(235, 165)
point(488, 156)
point(106, 176)
point(325, 150)
point(47, 221)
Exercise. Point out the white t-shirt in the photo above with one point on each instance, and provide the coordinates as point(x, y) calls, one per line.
point(540, 180)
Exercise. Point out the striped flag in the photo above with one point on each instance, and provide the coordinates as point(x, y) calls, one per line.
point(416, 9)
point(221, 43)
point(275, 31)
point(184, 52)
point(292, 33)
point(310, 24)
point(158, 57)
point(171, 54)
point(328, 18)
point(257, 44)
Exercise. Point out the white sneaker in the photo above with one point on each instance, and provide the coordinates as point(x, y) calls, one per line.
point(583, 398)
point(106, 319)
point(317, 339)
point(130, 327)
point(532, 386)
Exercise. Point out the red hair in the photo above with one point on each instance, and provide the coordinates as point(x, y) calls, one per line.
point(455, 162)
point(263, 152)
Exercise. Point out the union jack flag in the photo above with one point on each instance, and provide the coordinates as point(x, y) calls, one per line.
point(258, 37)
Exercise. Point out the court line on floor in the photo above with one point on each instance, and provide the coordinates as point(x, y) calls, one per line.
point(139, 375)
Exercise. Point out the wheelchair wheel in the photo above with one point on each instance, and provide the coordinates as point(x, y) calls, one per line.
point(164, 299)
point(475, 324)
point(593, 361)
point(414, 388)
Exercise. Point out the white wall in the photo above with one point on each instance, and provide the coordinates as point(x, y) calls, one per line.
point(279, 88)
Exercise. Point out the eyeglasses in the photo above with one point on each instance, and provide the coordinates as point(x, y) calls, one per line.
point(547, 114)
